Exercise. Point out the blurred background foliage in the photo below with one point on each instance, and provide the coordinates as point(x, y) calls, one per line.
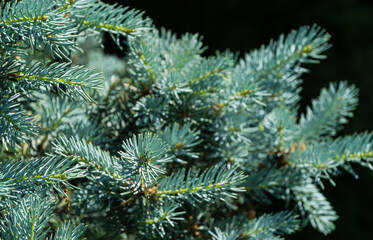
point(242, 25)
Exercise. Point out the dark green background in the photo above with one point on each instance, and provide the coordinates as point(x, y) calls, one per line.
point(241, 25)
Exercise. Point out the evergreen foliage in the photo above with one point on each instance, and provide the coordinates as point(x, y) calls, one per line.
point(167, 143)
